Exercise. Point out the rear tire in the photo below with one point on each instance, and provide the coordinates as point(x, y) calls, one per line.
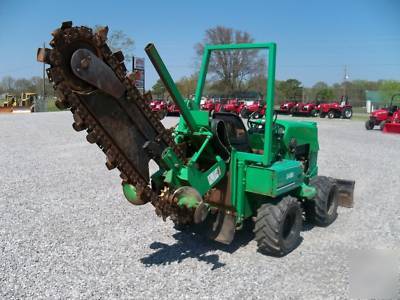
point(331, 114)
point(369, 125)
point(277, 227)
point(322, 211)
point(347, 113)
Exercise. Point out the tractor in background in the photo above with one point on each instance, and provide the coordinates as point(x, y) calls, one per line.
point(305, 109)
point(336, 110)
point(26, 103)
point(255, 108)
point(10, 101)
point(232, 105)
point(212, 172)
point(287, 107)
point(208, 105)
point(393, 125)
point(382, 116)
point(160, 107)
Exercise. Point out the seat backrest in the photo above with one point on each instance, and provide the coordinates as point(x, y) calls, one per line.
point(236, 131)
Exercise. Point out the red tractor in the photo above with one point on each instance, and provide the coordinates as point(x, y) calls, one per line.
point(287, 107)
point(336, 110)
point(208, 105)
point(393, 126)
point(305, 109)
point(232, 106)
point(173, 109)
point(252, 107)
point(159, 107)
point(382, 116)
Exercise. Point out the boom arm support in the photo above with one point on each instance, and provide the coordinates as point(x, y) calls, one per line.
point(170, 85)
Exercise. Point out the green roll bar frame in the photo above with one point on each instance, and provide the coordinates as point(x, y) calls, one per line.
point(265, 158)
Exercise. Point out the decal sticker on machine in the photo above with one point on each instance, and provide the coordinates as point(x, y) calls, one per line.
point(290, 175)
point(214, 175)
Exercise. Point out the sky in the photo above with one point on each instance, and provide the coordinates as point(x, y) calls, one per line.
point(315, 39)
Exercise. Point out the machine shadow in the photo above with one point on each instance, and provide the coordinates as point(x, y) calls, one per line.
point(193, 244)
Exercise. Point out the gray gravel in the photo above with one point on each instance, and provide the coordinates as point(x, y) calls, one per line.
point(67, 232)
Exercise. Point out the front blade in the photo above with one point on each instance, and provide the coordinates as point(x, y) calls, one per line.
point(346, 192)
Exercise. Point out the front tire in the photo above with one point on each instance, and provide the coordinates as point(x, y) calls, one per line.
point(369, 124)
point(331, 114)
point(277, 228)
point(322, 211)
point(322, 115)
point(382, 124)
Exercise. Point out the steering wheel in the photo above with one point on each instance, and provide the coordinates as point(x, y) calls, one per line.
point(252, 120)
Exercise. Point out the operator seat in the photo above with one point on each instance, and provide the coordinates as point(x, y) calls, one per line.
point(236, 133)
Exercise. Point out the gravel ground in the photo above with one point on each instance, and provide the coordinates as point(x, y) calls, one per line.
point(67, 232)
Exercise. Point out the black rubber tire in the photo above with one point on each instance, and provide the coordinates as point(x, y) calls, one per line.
point(314, 113)
point(244, 113)
point(322, 211)
point(382, 124)
point(331, 114)
point(347, 113)
point(322, 115)
point(369, 125)
point(277, 227)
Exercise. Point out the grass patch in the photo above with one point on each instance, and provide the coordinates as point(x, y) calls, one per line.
point(360, 117)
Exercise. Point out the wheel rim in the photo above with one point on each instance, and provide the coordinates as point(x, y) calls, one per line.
point(347, 114)
point(289, 225)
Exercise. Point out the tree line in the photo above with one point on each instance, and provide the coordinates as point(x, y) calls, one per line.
point(239, 73)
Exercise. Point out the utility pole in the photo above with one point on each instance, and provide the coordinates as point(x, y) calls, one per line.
point(346, 76)
point(43, 106)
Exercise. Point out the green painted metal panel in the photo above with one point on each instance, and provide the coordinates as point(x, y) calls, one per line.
point(282, 177)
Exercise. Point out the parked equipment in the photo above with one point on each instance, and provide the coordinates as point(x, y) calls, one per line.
point(384, 115)
point(160, 107)
point(305, 109)
point(232, 105)
point(336, 110)
point(257, 108)
point(10, 101)
point(287, 107)
point(26, 103)
point(393, 125)
point(212, 171)
point(208, 105)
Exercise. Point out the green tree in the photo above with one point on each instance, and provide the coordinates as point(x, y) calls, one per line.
point(321, 92)
point(120, 41)
point(230, 68)
point(389, 88)
point(159, 90)
point(290, 89)
point(187, 85)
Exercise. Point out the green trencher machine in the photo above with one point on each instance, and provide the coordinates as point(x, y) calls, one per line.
point(213, 171)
